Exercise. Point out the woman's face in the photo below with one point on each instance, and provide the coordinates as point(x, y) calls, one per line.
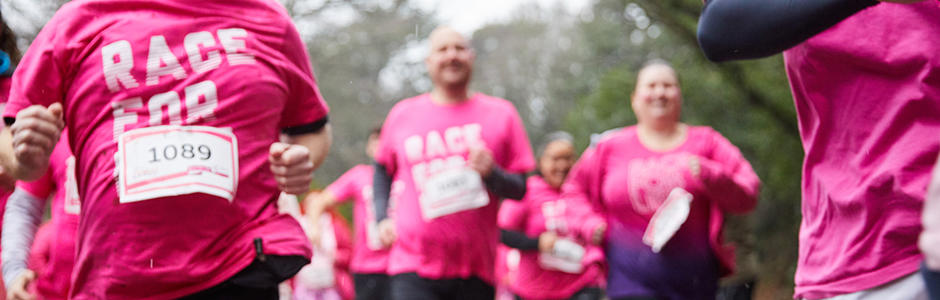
point(657, 97)
point(556, 161)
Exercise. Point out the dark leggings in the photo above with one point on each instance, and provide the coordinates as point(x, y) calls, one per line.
point(410, 286)
point(371, 286)
point(588, 293)
point(932, 280)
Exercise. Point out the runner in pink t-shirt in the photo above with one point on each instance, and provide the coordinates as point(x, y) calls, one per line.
point(175, 110)
point(558, 239)
point(457, 153)
point(864, 76)
point(370, 258)
point(663, 187)
point(9, 57)
point(59, 181)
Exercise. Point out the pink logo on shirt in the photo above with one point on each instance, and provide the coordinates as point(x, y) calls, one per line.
point(651, 180)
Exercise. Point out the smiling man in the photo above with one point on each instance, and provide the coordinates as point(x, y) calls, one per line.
point(458, 153)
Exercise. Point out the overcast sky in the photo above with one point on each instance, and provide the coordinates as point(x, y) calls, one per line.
point(467, 16)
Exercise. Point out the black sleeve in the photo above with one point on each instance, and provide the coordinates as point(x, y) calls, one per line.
point(381, 187)
point(518, 240)
point(311, 127)
point(746, 29)
point(505, 184)
point(932, 279)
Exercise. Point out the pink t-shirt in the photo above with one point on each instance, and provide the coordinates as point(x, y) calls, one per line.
point(626, 182)
point(238, 66)
point(5, 83)
point(421, 140)
point(543, 209)
point(356, 184)
point(867, 93)
point(59, 180)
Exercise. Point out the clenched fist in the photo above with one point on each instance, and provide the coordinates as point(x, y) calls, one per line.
point(292, 167)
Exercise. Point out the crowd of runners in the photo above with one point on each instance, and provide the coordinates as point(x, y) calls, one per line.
point(172, 139)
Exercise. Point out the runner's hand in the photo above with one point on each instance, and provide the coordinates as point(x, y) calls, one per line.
point(292, 167)
point(547, 241)
point(481, 160)
point(598, 236)
point(313, 231)
point(387, 232)
point(34, 135)
point(19, 289)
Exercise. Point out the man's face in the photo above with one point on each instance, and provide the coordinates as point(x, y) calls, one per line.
point(450, 61)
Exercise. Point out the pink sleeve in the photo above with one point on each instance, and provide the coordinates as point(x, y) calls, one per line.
point(581, 214)
point(305, 105)
point(520, 159)
point(729, 178)
point(41, 250)
point(513, 215)
point(344, 188)
point(41, 74)
point(42, 187)
point(583, 182)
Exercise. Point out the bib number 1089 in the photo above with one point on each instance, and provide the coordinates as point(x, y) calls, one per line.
point(164, 161)
point(184, 151)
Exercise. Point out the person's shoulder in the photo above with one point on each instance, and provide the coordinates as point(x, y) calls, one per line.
point(705, 133)
point(534, 180)
point(616, 136)
point(493, 101)
point(273, 7)
point(404, 105)
point(74, 11)
point(362, 168)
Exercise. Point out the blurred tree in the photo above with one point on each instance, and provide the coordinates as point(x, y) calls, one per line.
point(362, 53)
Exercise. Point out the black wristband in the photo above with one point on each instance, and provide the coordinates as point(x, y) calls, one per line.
point(312, 127)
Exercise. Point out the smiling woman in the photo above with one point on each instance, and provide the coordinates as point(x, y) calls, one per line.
point(663, 187)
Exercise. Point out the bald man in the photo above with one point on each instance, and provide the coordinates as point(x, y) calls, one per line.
point(458, 153)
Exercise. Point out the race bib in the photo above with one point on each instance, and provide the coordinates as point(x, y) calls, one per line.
point(163, 161)
point(452, 191)
point(668, 218)
point(73, 205)
point(565, 257)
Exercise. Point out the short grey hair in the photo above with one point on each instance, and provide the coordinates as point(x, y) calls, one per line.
point(552, 137)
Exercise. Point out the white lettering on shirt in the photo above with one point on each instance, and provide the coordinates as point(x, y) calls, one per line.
point(118, 57)
point(118, 62)
point(192, 43)
point(161, 61)
point(170, 100)
point(233, 46)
